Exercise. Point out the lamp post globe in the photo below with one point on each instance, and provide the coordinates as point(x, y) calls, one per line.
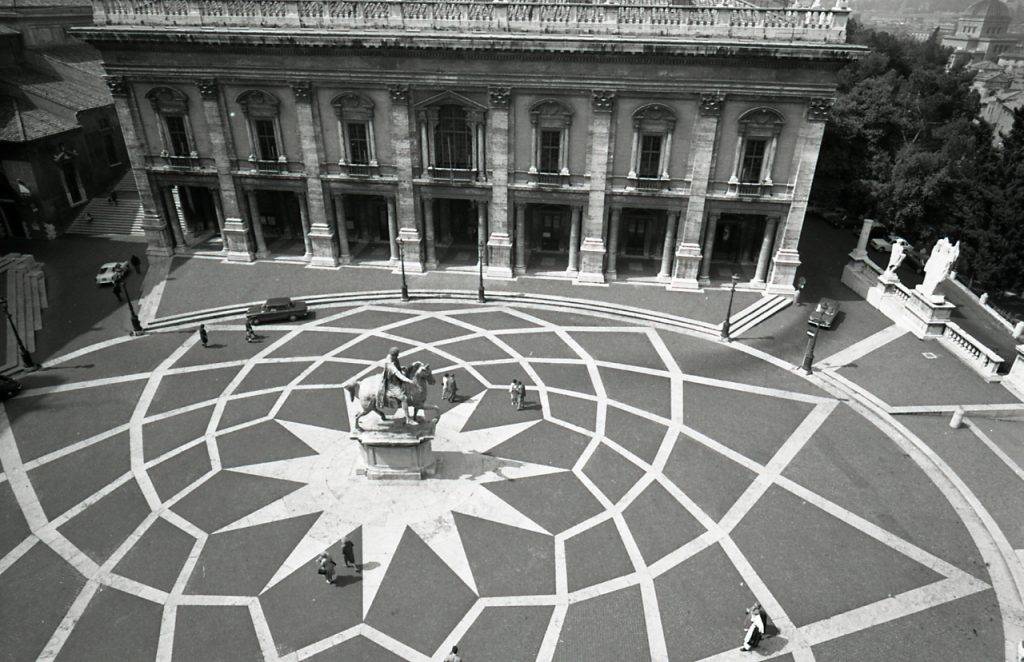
point(728, 313)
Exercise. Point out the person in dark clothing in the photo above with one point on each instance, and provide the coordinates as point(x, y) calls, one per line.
point(348, 553)
point(136, 264)
point(117, 291)
point(325, 566)
point(112, 198)
point(203, 337)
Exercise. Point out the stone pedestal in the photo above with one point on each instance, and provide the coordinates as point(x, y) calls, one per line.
point(1015, 380)
point(396, 449)
point(784, 269)
point(687, 265)
point(324, 248)
point(927, 315)
point(236, 240)
point(499, 249)
point(592, 261)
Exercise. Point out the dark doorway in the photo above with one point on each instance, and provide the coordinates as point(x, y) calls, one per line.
point(456, 231)
point(280, 221)
point(366, 224)
point(198, 211)
point(641, 235)
point(548, 230)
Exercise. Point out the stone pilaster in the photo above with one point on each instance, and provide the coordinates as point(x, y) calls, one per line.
point(704, 142)
point(320, 235)
point(592, 249)
point(159, 239)
point(808, 143)
point(499, 243)
point(405, 204)
point(236, 233)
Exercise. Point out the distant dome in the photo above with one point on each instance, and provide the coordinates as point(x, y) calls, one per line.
point(988, 9)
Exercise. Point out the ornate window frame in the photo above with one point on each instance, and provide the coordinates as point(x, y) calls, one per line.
point(651, 119)
point(427, 116)
point(762, 123)
point(260, 105)
point(353, 108)
point(550, 114)
point(169, 102)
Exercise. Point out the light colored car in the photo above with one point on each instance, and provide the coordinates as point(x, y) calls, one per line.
point(281, 308)
point(824, 314)
point(110, 272)
point(881, 244)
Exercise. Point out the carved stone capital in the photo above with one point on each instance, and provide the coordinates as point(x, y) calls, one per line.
point(207, 88)
point(303, 90)
point(819, 109)
point(711, 104)
point(603, 100)
point(118, 85)
point(500, 96)
point(399, 93)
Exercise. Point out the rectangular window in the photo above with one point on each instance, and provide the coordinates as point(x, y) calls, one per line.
point(650, 156)
point(177, 135)
point(550, 150)
point(358, 143)
point(753, 158)
point(266, 139)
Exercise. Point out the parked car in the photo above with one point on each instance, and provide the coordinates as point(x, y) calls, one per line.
point(110, 272)
point(8, 387)
point(824, 314)
point(881, 244)
point(281, 308)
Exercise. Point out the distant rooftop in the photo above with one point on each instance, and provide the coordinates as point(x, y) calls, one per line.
point(685, 19)
point(75, 95)
point(20, 122)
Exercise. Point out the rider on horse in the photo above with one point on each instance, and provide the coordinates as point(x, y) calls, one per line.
point(391, 380)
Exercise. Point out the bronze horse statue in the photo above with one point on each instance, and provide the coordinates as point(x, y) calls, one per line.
point(414, 394)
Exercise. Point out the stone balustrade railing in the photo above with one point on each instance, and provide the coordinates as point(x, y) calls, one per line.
point(652, 18)
point(977, 355)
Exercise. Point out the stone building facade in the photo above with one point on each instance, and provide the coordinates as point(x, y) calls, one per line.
point(670, 143)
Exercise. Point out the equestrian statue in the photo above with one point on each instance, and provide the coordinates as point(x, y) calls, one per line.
point(394, 388)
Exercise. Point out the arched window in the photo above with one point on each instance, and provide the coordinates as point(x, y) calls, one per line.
point(262, 111)
point(653, 128)
point(171, 107)
point(550, 121)
point(453, 139)
point(756, 145)
point(355, 130)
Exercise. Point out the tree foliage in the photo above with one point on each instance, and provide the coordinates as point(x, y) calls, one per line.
point(905, 145)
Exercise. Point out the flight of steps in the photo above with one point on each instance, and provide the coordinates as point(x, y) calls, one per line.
point(24, 287)
point(123, 220)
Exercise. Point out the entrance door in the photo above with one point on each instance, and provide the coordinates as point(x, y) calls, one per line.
point(728, 241)
point(635, 235)
point(551, 229)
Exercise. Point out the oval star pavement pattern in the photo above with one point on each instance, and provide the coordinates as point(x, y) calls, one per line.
point(162, 500)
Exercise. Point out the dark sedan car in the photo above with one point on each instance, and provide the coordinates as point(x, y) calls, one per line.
point(824, 314)
point(273, 310)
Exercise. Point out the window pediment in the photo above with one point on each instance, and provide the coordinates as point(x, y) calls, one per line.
point(449, 98)
point(257, 103)
point(762, 121)
point(168, 101)
point(549, 113)
point(352, 106)
point(654, 117)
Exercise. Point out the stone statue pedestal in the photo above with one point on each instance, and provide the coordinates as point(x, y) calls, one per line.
point(927, 316)
point(396, 448)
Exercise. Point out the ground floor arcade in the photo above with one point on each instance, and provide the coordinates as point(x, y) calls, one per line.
point(551, 234)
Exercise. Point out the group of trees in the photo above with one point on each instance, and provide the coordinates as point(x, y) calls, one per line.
point(905, 145)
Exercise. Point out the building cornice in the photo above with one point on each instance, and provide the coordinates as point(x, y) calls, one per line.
point(532, 46)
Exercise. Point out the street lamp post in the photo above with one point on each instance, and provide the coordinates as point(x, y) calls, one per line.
point(26, 358)
point(137, 329)
point(728, 312)
point(401, 259)
point(480, 283)
point(812, 337)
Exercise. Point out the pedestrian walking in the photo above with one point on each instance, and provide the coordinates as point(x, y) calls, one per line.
point(203, 337)
point(348, 553)
point(250, 334)
point(520, 396)
point(325, 566)
point(753, 627)
point(513, 391)
point(449, 389)
point(88, 218)
point(453, 656)
point(136, 264)
point(112, 198)
point(117, 291)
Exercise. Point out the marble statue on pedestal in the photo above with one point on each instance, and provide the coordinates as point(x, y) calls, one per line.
point(896, 257)
point(940, 263)
point(393, 389)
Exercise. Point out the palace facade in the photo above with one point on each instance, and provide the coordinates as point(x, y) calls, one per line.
point(656, 141)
